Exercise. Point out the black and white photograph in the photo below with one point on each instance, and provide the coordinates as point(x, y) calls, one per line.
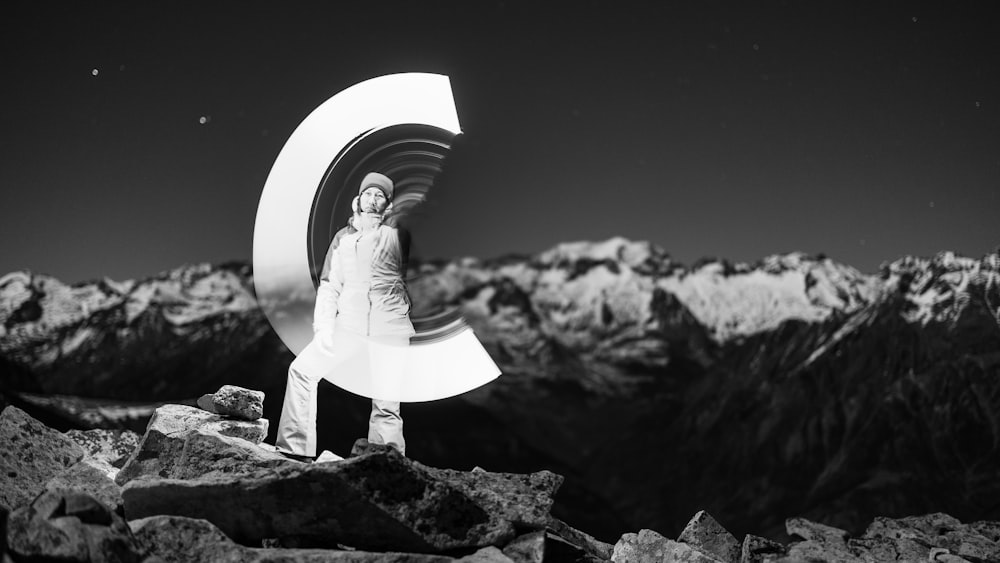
point(500, 282)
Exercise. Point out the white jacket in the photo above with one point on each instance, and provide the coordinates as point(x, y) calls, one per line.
point(362, 287)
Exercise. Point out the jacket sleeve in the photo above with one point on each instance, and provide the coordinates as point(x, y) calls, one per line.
point(330, 284)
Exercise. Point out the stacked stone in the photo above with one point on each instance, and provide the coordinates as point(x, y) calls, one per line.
point(235, 402)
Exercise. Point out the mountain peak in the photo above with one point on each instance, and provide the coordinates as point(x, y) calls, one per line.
point(617, 249)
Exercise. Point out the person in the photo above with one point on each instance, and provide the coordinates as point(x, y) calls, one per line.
point(361, 312)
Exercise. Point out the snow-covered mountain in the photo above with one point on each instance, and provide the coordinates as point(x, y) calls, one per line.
point(792, 385)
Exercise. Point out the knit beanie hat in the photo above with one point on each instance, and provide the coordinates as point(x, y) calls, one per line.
point(380, 181)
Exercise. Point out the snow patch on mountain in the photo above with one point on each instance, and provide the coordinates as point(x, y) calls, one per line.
point(743, 299)
point(939, 288)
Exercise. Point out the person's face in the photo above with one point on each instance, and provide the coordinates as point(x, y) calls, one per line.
point(373, 201)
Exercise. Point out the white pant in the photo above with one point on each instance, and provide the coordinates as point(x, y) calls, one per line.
point(297, 428)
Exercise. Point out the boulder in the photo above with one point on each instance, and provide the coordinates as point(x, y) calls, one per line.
point(648, 546)
point(237, 402)
point(196, 453)
point(112, 446)
point(523, 499)
point(756, 549)
point(91, 476)
point(178, 539)
point(380, 501)
point(30, 454)
point(705, 534)
point(69, 526)
point(162, 446)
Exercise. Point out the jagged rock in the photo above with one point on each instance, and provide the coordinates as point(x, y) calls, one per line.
point(591, 545)
point(488, 554)
point(917, 527)
point(91, 476)
point(648, 546)
point(178, 539)
point(70, 527)
point(989, 530)
point(377, 501)
point(705, 534)
point(162, 448)
point(821, 541)
point(814, 531)
point(523, 499)
point(326, 456)
point(941, 531)
point(559, 550)
point(527, 548)
point(238, 402)
point(756, 549)
point(30, 455)
point(197, 453)
point(362, 446)
point(883, 549)
point(113, 446)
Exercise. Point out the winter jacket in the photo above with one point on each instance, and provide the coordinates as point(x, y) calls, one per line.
point(362, 287)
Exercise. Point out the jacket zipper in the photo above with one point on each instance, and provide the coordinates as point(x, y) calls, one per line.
point(368, 294)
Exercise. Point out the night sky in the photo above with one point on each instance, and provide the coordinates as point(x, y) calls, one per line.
point(137, 136)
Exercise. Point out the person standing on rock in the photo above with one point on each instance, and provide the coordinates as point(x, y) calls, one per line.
point(361, 325)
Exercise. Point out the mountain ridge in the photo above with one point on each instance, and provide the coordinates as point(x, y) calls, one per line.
point(796, 376)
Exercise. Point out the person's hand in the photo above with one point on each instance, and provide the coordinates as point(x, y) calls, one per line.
point(325, 338)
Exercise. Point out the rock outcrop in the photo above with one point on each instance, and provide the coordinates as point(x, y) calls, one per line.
point(373, 502)
point(379, 506)
point(184, 442)
point(30, 455)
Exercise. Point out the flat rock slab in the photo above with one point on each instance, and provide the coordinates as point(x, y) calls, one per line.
point(112, 446)
point(161, 451)
point(30, 454)
point(238, 402)
point(524, 499)
point(178, 539)
point(192, 454)
point(376, 502)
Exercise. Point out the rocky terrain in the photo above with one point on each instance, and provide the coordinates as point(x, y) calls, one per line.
point(791, 387)
point(202, 487)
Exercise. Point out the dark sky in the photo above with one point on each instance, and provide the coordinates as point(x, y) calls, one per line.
point(865, 131)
